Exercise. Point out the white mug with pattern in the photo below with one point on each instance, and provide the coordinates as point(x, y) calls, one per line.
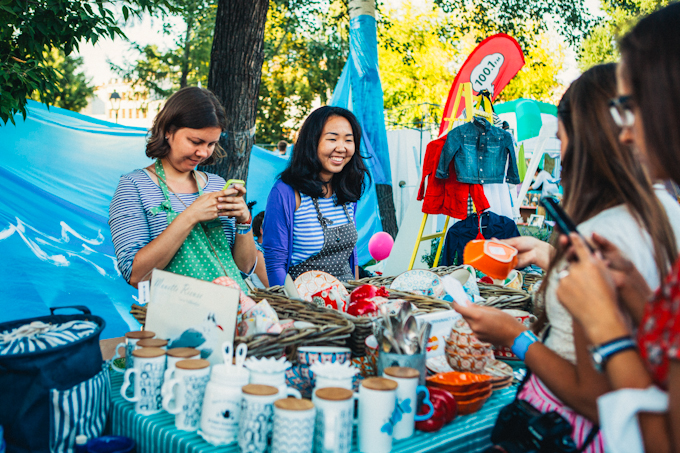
point(186, 389)
point(257, 413)
point(130, 344)
point(334, 419)
point(149, 365)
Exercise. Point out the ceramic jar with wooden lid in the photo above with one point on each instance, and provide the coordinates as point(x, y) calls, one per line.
point(185, 391)
point(293, 426)
point(377, 415)
point(407, 400)
point(334, 419)
point(257, 410)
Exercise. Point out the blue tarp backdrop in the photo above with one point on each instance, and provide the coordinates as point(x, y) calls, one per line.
point(59, 170)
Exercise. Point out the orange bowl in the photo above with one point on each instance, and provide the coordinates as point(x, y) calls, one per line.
point(474, 394)
point(469, 407)
point(459, 382)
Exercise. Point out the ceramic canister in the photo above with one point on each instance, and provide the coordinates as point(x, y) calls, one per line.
point(153, 343)
point(149, 365)
point(377, 403)
point(131, 339)
point(293, 426)
point(175, 355)
point(334, 420)
point(186, 389)
point(407, 400)
point(257, 413)
point(222, 404)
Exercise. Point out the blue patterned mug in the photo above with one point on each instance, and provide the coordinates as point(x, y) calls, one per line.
point(149, 365)
point(185, 391)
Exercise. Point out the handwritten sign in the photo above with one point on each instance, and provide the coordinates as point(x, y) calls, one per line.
point(192, 313)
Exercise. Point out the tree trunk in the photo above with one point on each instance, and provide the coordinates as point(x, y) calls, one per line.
point(235, 71)
point(187, 52)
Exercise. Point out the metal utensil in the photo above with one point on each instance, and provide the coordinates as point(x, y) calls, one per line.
point(393, 342)
point(411, 335)
point(425, 331)
point(404, 312)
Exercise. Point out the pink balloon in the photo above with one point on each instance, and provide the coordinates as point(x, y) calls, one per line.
point(380, 245)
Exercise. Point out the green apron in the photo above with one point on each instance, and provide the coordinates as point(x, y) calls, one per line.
point(205, 253)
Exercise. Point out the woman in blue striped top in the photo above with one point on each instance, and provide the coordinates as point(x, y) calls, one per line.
point(170, 216)
point(309, 222)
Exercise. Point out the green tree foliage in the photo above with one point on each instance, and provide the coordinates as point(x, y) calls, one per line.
point(523, 20)
point(600, 46)
point(306, 46)
point(160, 73)
point(72, 90)
point(30, 28)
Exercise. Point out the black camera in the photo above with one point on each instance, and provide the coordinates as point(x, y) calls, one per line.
point(520, 427)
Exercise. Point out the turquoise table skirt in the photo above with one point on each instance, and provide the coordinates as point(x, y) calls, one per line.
point(157, 433)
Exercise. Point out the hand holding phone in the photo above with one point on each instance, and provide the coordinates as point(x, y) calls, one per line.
point(232, 182)
point(562, 220)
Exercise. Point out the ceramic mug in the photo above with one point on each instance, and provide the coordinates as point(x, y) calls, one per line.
point(153, 343)
point(149, 365)
point(186, 389)
point(377, 414)
point(293, 426)
point(222, 404)
point(407, 400)
point(130, 343)
point(334, 420)
point(175, 355)
point(257, 413)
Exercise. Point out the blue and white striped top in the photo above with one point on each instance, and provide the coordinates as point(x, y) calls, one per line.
point(132, 224)
point(308, 235)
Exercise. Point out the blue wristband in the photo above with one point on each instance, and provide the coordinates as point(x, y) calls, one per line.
point(243, 228)
point(522, 343)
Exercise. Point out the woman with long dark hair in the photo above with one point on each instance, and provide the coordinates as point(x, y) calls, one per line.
point(309, 222)
point(170, 216)
point(598, 285)
point(605, 192)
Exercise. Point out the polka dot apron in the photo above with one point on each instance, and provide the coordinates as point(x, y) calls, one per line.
point(205, 253)
point(338, 246)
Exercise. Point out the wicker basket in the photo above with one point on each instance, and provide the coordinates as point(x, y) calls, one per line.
point(330, 328)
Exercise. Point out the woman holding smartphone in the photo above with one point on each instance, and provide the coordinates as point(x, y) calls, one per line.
point(607, 192)
point(170, 216)
point(601, 290)
point(309, 222)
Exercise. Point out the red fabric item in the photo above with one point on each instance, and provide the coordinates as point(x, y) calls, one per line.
point(447, 196)
point(659, 332)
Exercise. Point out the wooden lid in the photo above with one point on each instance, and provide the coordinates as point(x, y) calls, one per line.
point(378, 383)
point(152, 343)
point(183, 352)
point(140, 334)
point(259, 390)
point(192, 364)
point(334, 394)
point(402, 372)
point(294, 404)
point(148, 353)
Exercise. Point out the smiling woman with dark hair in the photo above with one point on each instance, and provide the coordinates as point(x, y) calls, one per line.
point(310, 218)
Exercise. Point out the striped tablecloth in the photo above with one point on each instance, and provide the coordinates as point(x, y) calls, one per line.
point(157, 433)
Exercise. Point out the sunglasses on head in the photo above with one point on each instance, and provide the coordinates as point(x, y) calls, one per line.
point(621, 109)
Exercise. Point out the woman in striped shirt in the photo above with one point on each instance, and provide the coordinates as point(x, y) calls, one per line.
point(309, 222)
point(170, 216)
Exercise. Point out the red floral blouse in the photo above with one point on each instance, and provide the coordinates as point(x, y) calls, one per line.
point(659, 333)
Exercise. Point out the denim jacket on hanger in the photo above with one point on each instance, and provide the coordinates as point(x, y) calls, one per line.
point(480, 152)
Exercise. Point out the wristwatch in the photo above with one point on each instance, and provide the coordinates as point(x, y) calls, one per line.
point(600, 354)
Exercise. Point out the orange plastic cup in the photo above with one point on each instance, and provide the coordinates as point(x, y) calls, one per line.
point(493, 258)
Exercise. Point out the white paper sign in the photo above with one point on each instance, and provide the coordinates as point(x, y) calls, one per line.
point(192, 313)
point(442, 323)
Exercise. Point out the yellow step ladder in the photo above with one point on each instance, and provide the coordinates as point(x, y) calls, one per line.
point(472, 109)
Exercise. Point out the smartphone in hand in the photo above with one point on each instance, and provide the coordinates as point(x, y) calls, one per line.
point(562, 220)
point(232, 182)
